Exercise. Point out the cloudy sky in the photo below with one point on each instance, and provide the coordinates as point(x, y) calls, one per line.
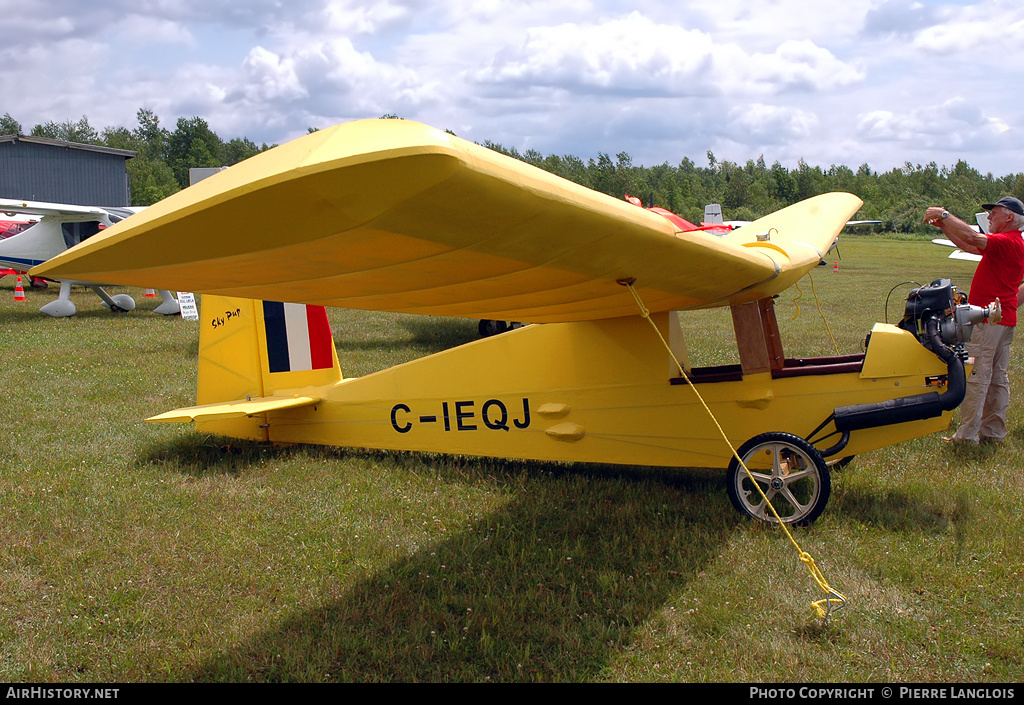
point(881, 82)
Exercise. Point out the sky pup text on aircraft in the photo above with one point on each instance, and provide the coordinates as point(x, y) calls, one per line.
point(393, 215)
point(59, 227)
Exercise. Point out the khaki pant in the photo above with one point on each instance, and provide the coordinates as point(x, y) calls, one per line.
point(983, 412)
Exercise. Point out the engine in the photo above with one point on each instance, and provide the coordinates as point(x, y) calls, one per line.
point(938, 315)
point(942, 321)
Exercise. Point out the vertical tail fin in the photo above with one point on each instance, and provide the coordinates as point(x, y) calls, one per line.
point(250, 348)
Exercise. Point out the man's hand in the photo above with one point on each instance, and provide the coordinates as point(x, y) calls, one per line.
point(933, 216)
point(962, 234)
point(995, 312)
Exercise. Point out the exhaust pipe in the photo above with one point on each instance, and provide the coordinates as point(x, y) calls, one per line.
point(912, 408)
point(942, 321)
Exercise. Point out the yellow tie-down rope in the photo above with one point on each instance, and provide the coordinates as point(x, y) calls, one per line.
point(796, 302)
point(835, 600)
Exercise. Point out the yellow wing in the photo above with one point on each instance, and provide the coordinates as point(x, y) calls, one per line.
point(395, 215)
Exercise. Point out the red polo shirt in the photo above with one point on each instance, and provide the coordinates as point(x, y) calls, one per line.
point(999, 274)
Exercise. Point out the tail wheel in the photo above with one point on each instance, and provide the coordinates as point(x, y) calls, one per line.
point(792, 476)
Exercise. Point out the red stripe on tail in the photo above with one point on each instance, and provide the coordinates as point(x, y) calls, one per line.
point(320, 339)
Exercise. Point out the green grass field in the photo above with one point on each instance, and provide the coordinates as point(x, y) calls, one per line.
point(136, 552)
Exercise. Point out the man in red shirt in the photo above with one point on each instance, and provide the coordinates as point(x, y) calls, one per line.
point(998, 277)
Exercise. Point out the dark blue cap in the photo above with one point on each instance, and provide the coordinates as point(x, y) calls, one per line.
point(1008, 202)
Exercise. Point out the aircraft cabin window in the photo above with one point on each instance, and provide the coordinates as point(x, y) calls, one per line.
point(75, 233)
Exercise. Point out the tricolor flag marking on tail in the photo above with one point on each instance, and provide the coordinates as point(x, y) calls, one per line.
point(298, 337)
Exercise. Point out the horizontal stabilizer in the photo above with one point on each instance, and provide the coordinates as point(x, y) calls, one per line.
point(233, 409)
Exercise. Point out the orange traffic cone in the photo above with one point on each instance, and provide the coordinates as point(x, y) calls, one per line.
point(835, 269)
point(150, 294)
point(19, 291)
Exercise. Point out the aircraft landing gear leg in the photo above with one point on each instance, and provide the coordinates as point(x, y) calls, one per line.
point(119, 303)
point(790, 472)
point(169, 305)
point(63, 306)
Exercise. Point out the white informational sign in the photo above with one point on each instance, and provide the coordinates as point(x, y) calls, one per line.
point(187, 302)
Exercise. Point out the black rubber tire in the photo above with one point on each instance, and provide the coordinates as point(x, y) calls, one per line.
point(791, 473)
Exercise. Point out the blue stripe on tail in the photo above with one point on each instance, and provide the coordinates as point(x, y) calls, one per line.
point(277, 336)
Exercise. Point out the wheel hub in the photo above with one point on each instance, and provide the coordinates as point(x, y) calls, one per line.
point(791, 474)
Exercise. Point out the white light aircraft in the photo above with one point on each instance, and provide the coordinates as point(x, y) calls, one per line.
point(60, 227)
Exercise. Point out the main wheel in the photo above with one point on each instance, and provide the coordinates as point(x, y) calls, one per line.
point(124, 303)
point(792, 476)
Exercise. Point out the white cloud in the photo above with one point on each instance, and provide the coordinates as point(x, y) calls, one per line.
point(969, 36)
point(864, 80)
point(143, 29)
point(362, 18)
point(976, 27)
point(634, 55)
point(757, 24)
point(268, 77)
point(955, 124)
point(770, 124)
point(313, 86)
point(899, 18)
point(646, 58)
point(800, 65)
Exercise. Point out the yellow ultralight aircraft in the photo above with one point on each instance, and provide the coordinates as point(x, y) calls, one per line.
point(397, 216)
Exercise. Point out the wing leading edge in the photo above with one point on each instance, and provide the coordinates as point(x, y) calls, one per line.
point(394, 215)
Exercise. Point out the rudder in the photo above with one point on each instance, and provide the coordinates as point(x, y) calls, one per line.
point(250, 348)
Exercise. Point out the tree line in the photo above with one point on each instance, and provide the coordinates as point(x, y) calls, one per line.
point(897, 197)
point(163, 156)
